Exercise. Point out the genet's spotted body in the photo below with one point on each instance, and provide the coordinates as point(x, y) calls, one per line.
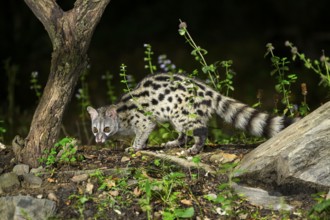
point(184, 102)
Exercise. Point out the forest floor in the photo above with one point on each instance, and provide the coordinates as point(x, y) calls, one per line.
point(109, 183)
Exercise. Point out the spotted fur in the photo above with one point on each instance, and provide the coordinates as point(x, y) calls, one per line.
point(184, 102)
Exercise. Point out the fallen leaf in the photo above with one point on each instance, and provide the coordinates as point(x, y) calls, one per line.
point(186, 202)
point(114, 192)
point(125, 159)
point(137, 191)
point(51, 180)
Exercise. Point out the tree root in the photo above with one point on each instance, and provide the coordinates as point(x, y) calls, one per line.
point(180, 161)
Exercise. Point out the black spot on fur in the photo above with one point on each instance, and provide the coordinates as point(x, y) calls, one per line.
point(162, 78)
point(207, 103)
point(200, 112)
point(179, 100)
point(181, 87)
point(185, 112)
point(122, 108)
point(167, 91)
point(209, 93)
point(155, 86)
point(177, 78)
point(201, 94)
point(170, 99)
point(154, 101)
point(161, 97)
point(200, 85)
point(147, 83)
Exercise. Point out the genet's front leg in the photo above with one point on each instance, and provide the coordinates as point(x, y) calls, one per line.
point(141, 136)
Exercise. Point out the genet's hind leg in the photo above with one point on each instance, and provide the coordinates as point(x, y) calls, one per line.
point(200, 136)
point(181, 140)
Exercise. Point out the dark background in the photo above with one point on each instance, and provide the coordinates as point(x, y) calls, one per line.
point(228, 29)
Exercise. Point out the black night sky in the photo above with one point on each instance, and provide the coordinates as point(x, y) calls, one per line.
point(228, 29)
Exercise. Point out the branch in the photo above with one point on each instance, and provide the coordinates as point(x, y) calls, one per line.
point(180, 161)
point(47, 11)
point(86, 15)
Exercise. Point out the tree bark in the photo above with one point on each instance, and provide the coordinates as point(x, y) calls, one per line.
point(70, 33)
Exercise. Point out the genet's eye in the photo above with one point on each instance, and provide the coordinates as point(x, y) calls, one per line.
point(95, 130)
point(106, 130)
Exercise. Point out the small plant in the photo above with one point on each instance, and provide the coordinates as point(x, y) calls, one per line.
point(198, 53)
point(84, 101)
point(167, 189)
point(108, 77)
point(148, 59)
point(320, 67)
point(35, 86)
point(80, 202)
point(284, 79)
point(2, 130)
point(166, 65)
point(303, 108)
point(63, 151)
point(227, 198)
point(321, 210)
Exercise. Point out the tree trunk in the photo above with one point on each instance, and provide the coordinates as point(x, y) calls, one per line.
point(70, 33)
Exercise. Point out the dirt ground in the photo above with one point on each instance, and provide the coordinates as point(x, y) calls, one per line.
point(122, 196)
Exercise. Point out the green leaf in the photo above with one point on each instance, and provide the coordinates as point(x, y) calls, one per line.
point(184, 213)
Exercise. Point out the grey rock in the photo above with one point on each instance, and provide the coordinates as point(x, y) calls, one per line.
point(9, 181)
point(31, 181)
point(26, 207)
point(21, 169)
point(79, 178)
point(37, 170)
point(260, 197)
point(297, 156)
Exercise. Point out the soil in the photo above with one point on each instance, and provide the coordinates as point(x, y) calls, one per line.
point(118, 199)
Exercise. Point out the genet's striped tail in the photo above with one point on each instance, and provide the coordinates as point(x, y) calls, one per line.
point(249, 119)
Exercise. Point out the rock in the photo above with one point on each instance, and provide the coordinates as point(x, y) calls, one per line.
point(259, 197)
point(2, 146)
point(222, 158)
point(31, 181)
point(79, 178)
point(9, 181)
point(21, 169)
point(125, 159)
point(52, 196)
point(26, 207)
point(89, 188)
point(297, 156)
point(37, 170)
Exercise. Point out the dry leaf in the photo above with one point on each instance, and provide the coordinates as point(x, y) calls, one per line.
point(186, 202)
point(137, 191)
point(114, 192)
point(51, 180)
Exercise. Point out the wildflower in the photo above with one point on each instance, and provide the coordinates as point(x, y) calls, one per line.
point(288, 44)
point(294, 50)
point(270, 47)
point(304, 89)
point(34, 74)
point(182, 25)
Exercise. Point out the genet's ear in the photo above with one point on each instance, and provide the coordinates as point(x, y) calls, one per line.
point(111, 112)
point(92, 112)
